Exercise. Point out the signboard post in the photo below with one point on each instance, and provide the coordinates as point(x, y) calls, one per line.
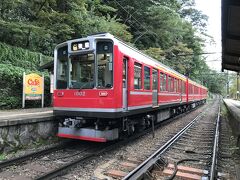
point(33, 88)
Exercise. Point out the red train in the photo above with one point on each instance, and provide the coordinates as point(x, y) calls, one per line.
point(105, 88)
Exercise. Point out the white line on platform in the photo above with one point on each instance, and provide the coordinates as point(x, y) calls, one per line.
point(25, 114)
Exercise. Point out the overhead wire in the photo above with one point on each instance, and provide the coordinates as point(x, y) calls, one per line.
point(140, 24)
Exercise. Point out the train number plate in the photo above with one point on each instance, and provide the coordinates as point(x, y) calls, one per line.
point(81, 93)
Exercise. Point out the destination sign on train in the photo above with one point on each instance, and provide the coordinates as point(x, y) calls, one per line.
point(76, 46)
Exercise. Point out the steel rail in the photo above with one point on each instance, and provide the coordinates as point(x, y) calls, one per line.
point(139, 171)
point(26, 157)
point(63, 169)
point(213, 170)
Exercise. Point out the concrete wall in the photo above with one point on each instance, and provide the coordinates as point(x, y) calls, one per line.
point(234, 116)
point(20, 133)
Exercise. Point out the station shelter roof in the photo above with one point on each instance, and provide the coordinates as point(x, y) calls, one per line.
point(231, 35)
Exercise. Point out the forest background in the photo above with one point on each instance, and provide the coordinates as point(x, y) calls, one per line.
point(171, 31)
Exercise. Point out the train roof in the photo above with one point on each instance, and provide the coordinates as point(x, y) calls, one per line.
point(139, 55)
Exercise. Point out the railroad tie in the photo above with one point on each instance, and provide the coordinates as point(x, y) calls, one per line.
point(185, 172)
point(188, 169)
point(183, 175)
point(128, 164)
point(116, 173)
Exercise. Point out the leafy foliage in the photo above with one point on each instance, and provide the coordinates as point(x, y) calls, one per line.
point(39, 25)
point(21, 58)
point(166, 30)
point(13, 62)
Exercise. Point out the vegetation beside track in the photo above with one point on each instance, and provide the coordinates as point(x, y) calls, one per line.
point(173, 32)
point(13, 62)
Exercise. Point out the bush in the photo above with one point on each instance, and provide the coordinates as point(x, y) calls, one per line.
point(13, 62)
point(21, 58)
point(11, 87)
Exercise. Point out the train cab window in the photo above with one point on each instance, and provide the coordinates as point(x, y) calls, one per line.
point(163, 81)
point(82, 71)
point(146, 78)
point(137, 76)
point(62, 68)
point(104, 64)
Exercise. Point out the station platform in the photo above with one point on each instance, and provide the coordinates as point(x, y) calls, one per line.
point(10, 117)
point(233, 107)
point(24, 127)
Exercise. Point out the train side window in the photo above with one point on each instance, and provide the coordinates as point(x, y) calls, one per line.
point(146, 78)
point(62, 68)
point(104, 64)
point(179, 86)
point(170, 84)
point(155, 79)
point(137, 76)
point(163, 81)
point(175, 85)
point(184, 88)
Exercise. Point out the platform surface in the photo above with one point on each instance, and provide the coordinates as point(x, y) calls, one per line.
point(234, 108)
point(233, 102)
point(20, 114)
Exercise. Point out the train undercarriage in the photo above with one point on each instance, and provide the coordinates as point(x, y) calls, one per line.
point(109, 129)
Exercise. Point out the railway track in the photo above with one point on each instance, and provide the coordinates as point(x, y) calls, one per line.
point(23, 158)
point(50, 163)
point(195, 147)
point(42, 164)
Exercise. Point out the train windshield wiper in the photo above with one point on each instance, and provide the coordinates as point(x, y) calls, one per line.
point(83, 85)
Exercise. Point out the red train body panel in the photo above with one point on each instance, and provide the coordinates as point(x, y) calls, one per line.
point(103, 86)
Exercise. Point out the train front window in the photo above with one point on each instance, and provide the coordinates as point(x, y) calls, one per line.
point(82, 71)
point(104, 64)
point(62, 68)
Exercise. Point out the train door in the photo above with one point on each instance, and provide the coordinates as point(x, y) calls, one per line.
point(125, 84)
point(155, 87)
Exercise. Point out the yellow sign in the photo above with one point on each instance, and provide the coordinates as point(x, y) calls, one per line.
point(33, 84)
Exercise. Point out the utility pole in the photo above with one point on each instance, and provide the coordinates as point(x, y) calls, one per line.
point(227, 84)
point(238, 86)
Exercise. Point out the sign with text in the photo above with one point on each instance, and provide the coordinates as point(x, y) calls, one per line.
point(33, 87)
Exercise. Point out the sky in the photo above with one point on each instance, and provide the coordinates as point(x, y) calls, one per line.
point(212, 8)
